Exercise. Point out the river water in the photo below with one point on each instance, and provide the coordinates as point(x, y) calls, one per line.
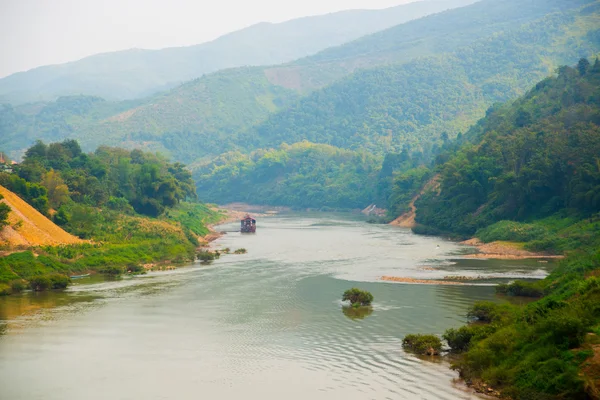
point(265, 325)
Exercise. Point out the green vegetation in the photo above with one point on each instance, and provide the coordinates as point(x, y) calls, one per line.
point(119, 179)
point(208, 256)
point(4, 211)
point(240, 251)
point(529, 173)
point(384, 108)
point(33, 193)
point(534, 161)
point(357, 297)
point(429, 345)
point(195, 217)
point(49, 281)
point(301, 175)
point(521, 288)
point(103, 197)
point(463, 67)
point(542, 350)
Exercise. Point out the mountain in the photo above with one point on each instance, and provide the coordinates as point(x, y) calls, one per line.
point(253, 107)
point(415, 106)
point(526, 161)
point(529, 173)
point(135, 73)
point(382, 109)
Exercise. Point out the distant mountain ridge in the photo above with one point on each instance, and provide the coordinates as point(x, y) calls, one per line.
point(136, 73)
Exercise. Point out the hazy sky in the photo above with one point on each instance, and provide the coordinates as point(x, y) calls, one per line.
point(41, 32)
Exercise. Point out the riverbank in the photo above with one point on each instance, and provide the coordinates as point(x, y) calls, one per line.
point(234, 212)
point(419, 281)
point(504, 251)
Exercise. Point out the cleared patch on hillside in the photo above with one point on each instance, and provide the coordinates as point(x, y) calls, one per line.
point(407, 220)
point(28, 227)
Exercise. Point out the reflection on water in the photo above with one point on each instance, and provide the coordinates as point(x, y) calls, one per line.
point(357, 312)
point(15, 309)
point(266, 324)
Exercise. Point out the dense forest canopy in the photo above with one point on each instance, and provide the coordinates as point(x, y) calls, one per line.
point(52, 175)
point(302, 175)
point(526, 160)
point(382, 109)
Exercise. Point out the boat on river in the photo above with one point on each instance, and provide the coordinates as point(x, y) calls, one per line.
point(248, 224)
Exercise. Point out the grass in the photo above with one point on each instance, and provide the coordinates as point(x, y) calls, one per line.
point(118, 241)
point(560, 233)
point(195, 216)
point(542, 350)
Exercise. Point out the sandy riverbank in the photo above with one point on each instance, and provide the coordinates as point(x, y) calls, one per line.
point(503, 251)
point(419, 281)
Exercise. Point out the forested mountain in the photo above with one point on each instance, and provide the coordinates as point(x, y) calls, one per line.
point(383, 108)
point(496, 58)
point(439, 33)
point(198, 118)
point(301, 175)
point(529, 172)
point(134, 73)
point(526, 161)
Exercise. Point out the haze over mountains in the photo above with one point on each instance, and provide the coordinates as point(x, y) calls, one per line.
point(414, 82)
point(135, 73)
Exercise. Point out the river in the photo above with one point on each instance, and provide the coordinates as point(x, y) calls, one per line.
point(268, 324)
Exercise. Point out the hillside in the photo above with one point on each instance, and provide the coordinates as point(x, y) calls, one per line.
point(303, 175)
point(535, 162)
point(438, 33)
point(216, 113)
point(135, 73)
point(129, 206)
point(28, 227)
point(382, 109)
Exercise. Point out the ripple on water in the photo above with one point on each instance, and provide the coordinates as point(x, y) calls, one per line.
point(268, 324)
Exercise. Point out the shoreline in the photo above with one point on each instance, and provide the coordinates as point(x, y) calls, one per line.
point(504, 251)
point(231, 215)
point(416, 281)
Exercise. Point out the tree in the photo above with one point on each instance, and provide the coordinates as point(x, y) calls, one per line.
point(58, 192)
point(583, 66)
point(4, 211)
point(358, 297)
point(429, 345)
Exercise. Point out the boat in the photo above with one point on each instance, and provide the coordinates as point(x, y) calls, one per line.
point(248, 224)
point(79, 276)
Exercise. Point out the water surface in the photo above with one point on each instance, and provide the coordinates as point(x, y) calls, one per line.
point(265, 325)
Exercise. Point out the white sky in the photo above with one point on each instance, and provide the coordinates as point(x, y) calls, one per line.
point(41, 32)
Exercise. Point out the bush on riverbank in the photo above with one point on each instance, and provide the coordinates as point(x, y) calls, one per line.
point(357, 297)
point(426, 345)
point(49, 281)
point(522, 289)
point(240, 251)
point(512, 231)
point(542, 350)
point(207, 256)
point(112, 270)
